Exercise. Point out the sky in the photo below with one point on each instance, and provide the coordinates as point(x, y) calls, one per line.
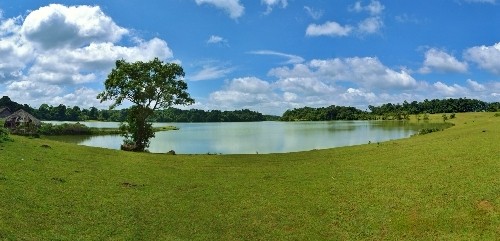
point(263, 55)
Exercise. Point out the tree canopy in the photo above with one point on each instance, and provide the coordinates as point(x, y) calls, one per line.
point(148, 86)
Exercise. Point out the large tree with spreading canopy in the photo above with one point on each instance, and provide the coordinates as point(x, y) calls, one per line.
point(148, 86)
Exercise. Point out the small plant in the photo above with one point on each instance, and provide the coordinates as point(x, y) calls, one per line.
point(445, 117)
point(4, 135)
point(452, 116)
point(428, 130)
point(426, 117)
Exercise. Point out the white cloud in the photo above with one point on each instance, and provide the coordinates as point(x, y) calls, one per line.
point(305, 86)
point(214, 39)
point(292, 59)
point(486, 57)
point(57, 26)
point(56, 48)
point(367, 72)
point(442, 62)
point(247, 92)
point(328, 29)
point(358, 97)
point(370, 25)
point(374, 8)
point(233, 7)
point(209, 72)
point(475, 85)
point(450, 90)
point(271, 3)
point(313, 13)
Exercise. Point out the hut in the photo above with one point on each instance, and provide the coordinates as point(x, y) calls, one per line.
point(22, 122)
point(4, 112)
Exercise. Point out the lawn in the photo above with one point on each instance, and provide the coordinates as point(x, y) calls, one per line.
point(444, 185)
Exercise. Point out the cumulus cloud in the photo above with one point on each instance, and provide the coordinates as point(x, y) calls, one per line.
point(329, 28)
point(442, 62)
point(246, 92)
point(366, 71)
point(373, 8)
point(57, 26)
point(292, 59)
point(271, 3)
point(370, 25)
point(486, 57)
point(233, 7)
point(474, 85)
point(58, 49)
point(453, 90)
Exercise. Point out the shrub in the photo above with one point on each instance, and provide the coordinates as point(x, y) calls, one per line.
point(64, 129)
point(445, 117)
point(4, 135)
point(428, 130)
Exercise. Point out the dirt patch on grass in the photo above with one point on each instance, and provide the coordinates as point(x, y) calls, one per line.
point(485, 206)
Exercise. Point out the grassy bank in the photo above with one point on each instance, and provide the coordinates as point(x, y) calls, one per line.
point(443, 185)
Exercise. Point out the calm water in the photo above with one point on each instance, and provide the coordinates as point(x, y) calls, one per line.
point(257, 137)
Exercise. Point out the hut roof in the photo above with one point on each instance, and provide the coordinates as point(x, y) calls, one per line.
point(4, 112)
point(22, 116)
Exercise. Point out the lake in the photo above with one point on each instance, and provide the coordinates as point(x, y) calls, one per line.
point(257, 137)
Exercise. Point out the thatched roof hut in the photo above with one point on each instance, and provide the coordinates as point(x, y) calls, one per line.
point(4, 112)
point(22, 122)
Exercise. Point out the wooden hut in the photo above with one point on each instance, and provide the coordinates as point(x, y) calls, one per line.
point(4, 112)
point(22, 122)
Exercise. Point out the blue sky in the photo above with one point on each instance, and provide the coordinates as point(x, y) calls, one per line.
point(268, 55)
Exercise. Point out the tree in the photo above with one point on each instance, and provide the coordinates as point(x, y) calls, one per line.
point(149, 86)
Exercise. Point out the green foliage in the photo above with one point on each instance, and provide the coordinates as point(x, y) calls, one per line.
point(325, 113)
point(452, 116)
point(149, 86)
point(445, 117)
point(428, 130)
point(4, 135)
point(426, 117)
point(195, 115)
point(64, 129)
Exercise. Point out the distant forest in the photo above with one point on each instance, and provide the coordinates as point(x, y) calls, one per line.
point(385, 112)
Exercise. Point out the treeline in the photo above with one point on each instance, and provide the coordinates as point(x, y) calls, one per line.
point(436, 106)
point(75, 113)
point(325, 113)
point(390, 111)
point(385, 111)
point(63, 113)
point(195, 115)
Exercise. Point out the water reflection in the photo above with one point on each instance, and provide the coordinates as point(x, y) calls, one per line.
point(261, 137)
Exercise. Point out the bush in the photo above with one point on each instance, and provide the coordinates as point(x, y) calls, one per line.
point(4, 135)
point(428, 130)
point(64, 129)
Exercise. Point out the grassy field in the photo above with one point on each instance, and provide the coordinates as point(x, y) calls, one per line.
point(440, 186)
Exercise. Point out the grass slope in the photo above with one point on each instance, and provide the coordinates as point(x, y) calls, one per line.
point(443, 185)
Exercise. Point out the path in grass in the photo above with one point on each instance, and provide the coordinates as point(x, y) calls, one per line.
point(443, 185)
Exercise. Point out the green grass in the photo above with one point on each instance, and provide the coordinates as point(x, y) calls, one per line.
point(440, 186)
